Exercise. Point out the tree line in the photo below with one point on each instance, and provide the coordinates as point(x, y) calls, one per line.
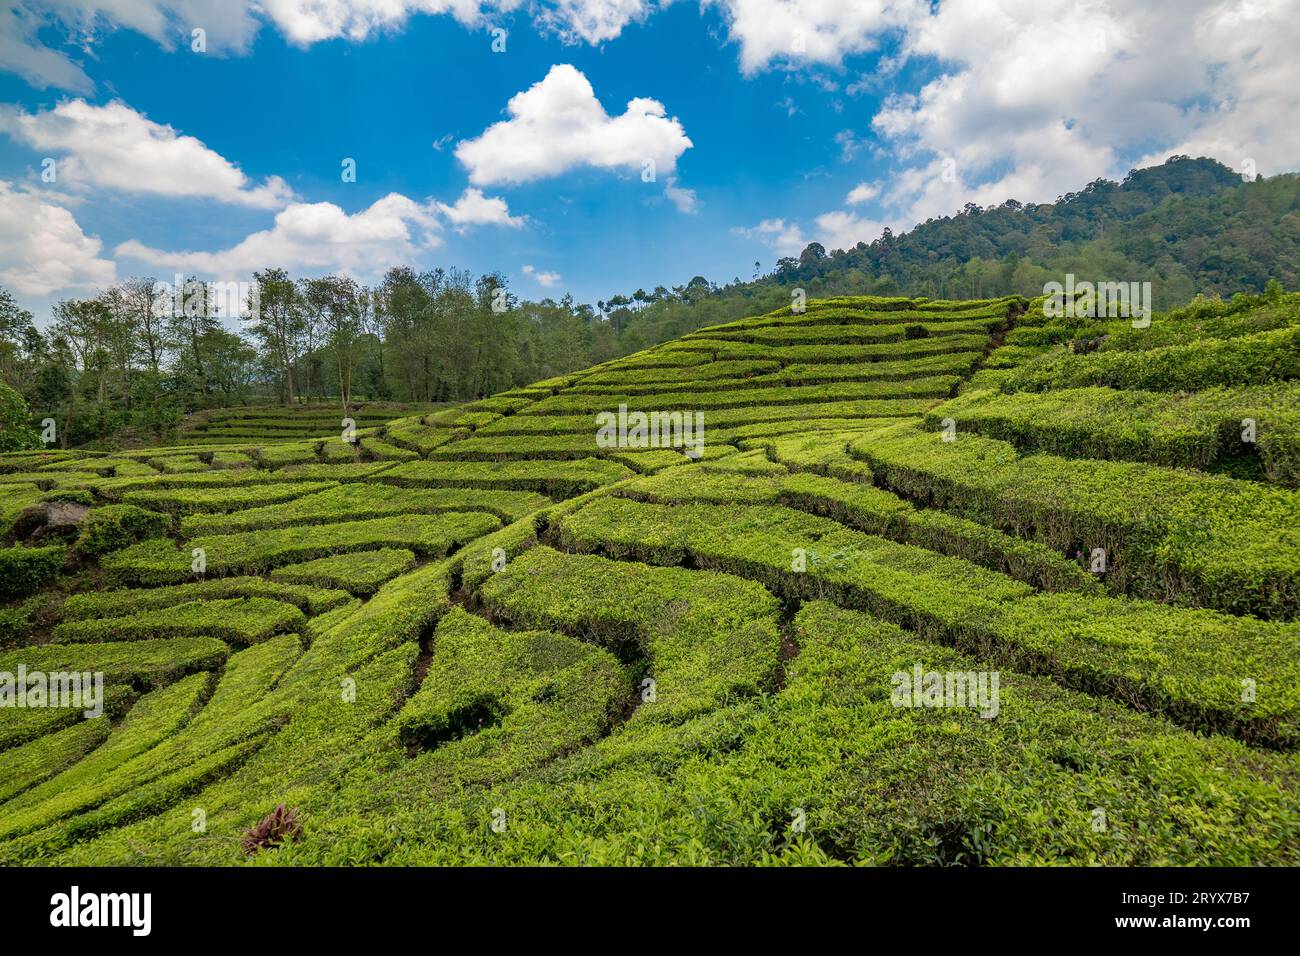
point(138, 356)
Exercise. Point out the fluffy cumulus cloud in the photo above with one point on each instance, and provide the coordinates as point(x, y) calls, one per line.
point(684, 199)
point(544, 279)
point(802, 32)
point(114, 147)
point(862, 192)
point(43, 250)
point(314, 236)
point(836, 229)
point(475, 209)
point(558, 125)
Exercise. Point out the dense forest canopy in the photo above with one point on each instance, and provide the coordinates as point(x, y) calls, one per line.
point(123, 359)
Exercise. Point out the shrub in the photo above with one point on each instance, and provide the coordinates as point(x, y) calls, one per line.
point(238, 620)
point(112, 527)
point(700, 637)
point(24, 571)
point(496, 702)
point(1167, 534)
point(360, 573)
point(117, 603)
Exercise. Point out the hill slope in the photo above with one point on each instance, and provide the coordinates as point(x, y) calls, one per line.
point(947, 582)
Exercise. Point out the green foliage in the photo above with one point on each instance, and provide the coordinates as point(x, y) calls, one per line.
point(16, 432)
point(1167, 534)
point(237, 620)
point(99, 604)
point(1249, 360)
point(24, 571)
point(1199, 430)
point(496, 702)
point(115, 526)
point(556, 479)
point(161, 562)
point(700, 637)
point(354, 502)
point(360, 573)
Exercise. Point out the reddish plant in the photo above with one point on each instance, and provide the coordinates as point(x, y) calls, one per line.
point(277, 826)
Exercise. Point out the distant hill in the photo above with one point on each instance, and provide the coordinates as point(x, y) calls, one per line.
point(1189, 226)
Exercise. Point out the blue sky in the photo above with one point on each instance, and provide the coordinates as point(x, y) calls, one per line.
point(805, 120)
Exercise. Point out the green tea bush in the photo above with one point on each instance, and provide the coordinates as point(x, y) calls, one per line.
point(112, 527)
point(361, 573)
point(237, 620)
point(24, 571)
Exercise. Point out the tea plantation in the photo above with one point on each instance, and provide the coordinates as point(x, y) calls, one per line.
point(481, 635)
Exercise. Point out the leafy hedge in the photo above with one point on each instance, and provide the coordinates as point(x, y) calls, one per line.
point(1168, 534)
point(701, 637)
point(1250, 360)
point(24, 571)
point(496, 702)
point(111, 527)
point(237, 620)
point(1187, 664)
point(361, 573)
point(570, 403)
point(557, 479)
point(192, 501)
point(100, 604)
point(1199, 430)
point(161, 562)
point(721, 350)
point(150, 662)
point(356, 502)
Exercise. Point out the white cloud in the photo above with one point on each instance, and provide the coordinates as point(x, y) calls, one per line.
point(848, 143)
point(784, 238)
point(43, 250)
point(475, 209)
point(594, 21)
point(114, 147)
point(684, 199)
point(862, 192)
point(1140, 81)
point(38, 65)
point(309, 21)
point(314, 236)
point(231, 25)
point(801, 32)
point(844, 230)
point(558, 124)
point(545, 279)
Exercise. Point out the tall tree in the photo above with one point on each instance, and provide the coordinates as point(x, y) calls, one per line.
point(279, 326)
